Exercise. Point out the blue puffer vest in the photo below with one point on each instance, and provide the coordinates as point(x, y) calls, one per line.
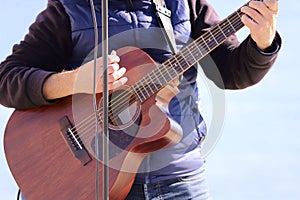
point(138, 27)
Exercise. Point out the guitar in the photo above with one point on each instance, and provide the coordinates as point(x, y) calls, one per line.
point(51, 149)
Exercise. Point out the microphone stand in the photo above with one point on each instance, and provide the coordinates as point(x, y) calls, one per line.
point(105, 134)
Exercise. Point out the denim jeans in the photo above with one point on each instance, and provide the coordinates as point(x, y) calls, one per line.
point(21, 197)
point(191, 187)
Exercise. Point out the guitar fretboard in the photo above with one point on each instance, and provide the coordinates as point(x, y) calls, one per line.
point(188, 56)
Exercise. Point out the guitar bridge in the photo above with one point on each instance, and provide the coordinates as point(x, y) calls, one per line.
point(73, 141)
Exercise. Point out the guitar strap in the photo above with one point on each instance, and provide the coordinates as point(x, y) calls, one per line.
point(164, 20)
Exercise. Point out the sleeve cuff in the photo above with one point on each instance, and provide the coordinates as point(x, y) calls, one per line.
point(34, 87)
point(273, 49)
point(263, 58)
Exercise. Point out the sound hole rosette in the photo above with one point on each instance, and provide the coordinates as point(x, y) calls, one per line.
point(124, 108)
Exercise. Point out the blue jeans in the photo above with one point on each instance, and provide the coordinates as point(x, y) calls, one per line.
point(21, 197)
point(190, 187)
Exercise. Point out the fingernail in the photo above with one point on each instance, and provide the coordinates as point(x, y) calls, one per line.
point(114, 56)
point(124, 80)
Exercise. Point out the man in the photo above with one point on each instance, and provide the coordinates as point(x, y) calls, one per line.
point(45, 68)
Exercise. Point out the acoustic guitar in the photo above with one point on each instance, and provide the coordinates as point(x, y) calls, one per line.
point(51, 149)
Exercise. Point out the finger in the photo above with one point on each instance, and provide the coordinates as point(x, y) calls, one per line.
point(266, 7)
point(112, 68)
point(113, 57)
point(116, 75)
point(272, 5)
point(256, 8)
point(117, 83)
point(249, 22)
point(251, 17)
point(256, 13)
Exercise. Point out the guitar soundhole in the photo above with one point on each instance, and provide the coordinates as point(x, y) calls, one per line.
point(123, 108)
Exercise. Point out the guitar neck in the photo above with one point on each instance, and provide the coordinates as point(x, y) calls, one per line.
point(188, 56)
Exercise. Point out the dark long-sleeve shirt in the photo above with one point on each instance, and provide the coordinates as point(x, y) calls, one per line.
point(58, 41)
point(47, 48)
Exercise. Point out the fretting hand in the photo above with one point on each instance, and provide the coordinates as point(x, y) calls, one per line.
point(260, 17)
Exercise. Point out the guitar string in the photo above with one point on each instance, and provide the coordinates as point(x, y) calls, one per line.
point(78, 126)
point(167, 66)
point(172, 63)
point(82, 125)
point(86, 129)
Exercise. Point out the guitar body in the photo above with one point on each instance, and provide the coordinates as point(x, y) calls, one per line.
point(45, 167)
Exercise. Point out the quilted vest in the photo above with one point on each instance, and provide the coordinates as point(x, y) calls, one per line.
point(138, 27)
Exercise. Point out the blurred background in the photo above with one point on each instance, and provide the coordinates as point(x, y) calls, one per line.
point(257, 155)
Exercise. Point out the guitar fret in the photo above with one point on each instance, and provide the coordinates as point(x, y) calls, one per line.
point(141, 85)
point(213, 38)
point(137, 91)
point(142, 88)
point(194, 59)
point(206, 50)
point(145, 86)
point(162, 75)
point(157, 86)
point(198, 51)
point(150, 87)
point(187, 63)
point(157, 81)
point(238, 13)
point(237, 23)
point(166, 72)
point(231, 26)
point(210, 42)
point(173, 70)
point(219, 35)
point(221, 30)
point(200, 47)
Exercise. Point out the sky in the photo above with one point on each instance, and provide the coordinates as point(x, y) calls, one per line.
point(257, 155)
